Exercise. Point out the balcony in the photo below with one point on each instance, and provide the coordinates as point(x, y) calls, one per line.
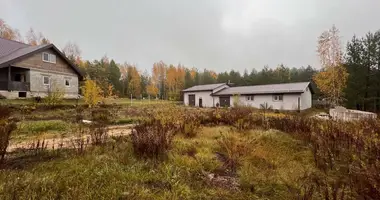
point(14, 86)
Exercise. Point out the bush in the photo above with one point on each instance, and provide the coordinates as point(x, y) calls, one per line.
point(98, 128)
point(92, 93)
point(190, 124)
point(231, 150)
point(152, 138)
point(55, 95)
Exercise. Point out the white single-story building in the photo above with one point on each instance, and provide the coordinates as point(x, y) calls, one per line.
point(287, 96)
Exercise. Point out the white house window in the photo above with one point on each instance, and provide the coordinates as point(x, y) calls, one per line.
point(48, 57)
point(46, 80)
point(278, 97)
point(250, 98)
point(67, 82)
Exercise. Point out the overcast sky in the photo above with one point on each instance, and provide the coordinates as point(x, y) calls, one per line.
point(214, 34)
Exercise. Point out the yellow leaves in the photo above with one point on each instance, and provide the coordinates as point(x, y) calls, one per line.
point(134, 84)
point(332, 79)
point(331, 82)
point(152, 89)
point(109, 91)
point(8, 32)
point(91, 92)
point(193, 72)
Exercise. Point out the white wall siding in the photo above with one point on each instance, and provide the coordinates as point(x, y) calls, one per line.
point(289, 102)
point(306, 99)
point(207, 99)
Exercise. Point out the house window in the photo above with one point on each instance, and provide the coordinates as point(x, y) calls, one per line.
point(46, 80)
point(250, 98)
point(278, 97)
point(67, 82)
point(47, 57)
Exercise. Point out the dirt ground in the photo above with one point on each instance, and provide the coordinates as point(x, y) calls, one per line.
point(67, 142)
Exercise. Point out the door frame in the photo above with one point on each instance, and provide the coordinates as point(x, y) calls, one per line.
point(191, 96)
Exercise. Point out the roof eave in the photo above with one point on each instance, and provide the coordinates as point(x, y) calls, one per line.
point(197, 90)
point(38, 50)
point(258, 93)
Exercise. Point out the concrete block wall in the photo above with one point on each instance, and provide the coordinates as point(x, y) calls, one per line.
point(57, 80)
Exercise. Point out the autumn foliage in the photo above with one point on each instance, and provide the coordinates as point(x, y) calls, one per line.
point(332, 79)
point(91, 92)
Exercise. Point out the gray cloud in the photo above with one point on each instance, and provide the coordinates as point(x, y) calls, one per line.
point(219, 35)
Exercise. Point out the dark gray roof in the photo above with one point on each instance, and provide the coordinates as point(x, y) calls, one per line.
point(9, 46)
point(12, 51)
point(20, 52)
point(208, 87)
point(266, 89)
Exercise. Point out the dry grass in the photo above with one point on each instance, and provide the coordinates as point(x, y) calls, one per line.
point(221, 154)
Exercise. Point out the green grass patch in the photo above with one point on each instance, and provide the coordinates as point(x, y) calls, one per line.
point(43, 126)
point(28, 130)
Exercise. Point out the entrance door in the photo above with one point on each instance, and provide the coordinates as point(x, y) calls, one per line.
point(200, 102)
point(192, 99)
point(299, 103)
point(224, 101)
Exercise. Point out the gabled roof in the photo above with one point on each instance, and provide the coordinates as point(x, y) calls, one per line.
point(12, 51)
point(9, 46)
point(208, 87)
point(267, 89)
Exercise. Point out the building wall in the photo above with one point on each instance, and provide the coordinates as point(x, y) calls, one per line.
point(289, 102)
point(306, 99)
point(207, 99)
point(57, 81)
point(35, 62)
point(57, 72)
point(9, 95)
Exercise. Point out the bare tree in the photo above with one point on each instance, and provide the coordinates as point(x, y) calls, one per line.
point(72, 50)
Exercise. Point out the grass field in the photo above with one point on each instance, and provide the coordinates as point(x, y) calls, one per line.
point(113, 172)
point(175, 152)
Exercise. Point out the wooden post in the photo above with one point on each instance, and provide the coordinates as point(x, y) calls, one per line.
point(9, 78)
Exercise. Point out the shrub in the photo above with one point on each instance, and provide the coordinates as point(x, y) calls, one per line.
point(6, 128)
point(92, 93)
point(231, 151)
point(55, 95)
point(190, 124)
point(152, 138)
point(98, 128)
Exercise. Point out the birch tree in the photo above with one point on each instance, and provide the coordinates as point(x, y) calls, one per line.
point(332, 78)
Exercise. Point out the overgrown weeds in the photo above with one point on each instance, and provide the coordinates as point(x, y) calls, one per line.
point(101, 118)
point(153, 138)
point(231, 151)
point(6, 128)
point(190, 124)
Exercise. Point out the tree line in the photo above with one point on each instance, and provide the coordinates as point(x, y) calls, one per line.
point(350, 77)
